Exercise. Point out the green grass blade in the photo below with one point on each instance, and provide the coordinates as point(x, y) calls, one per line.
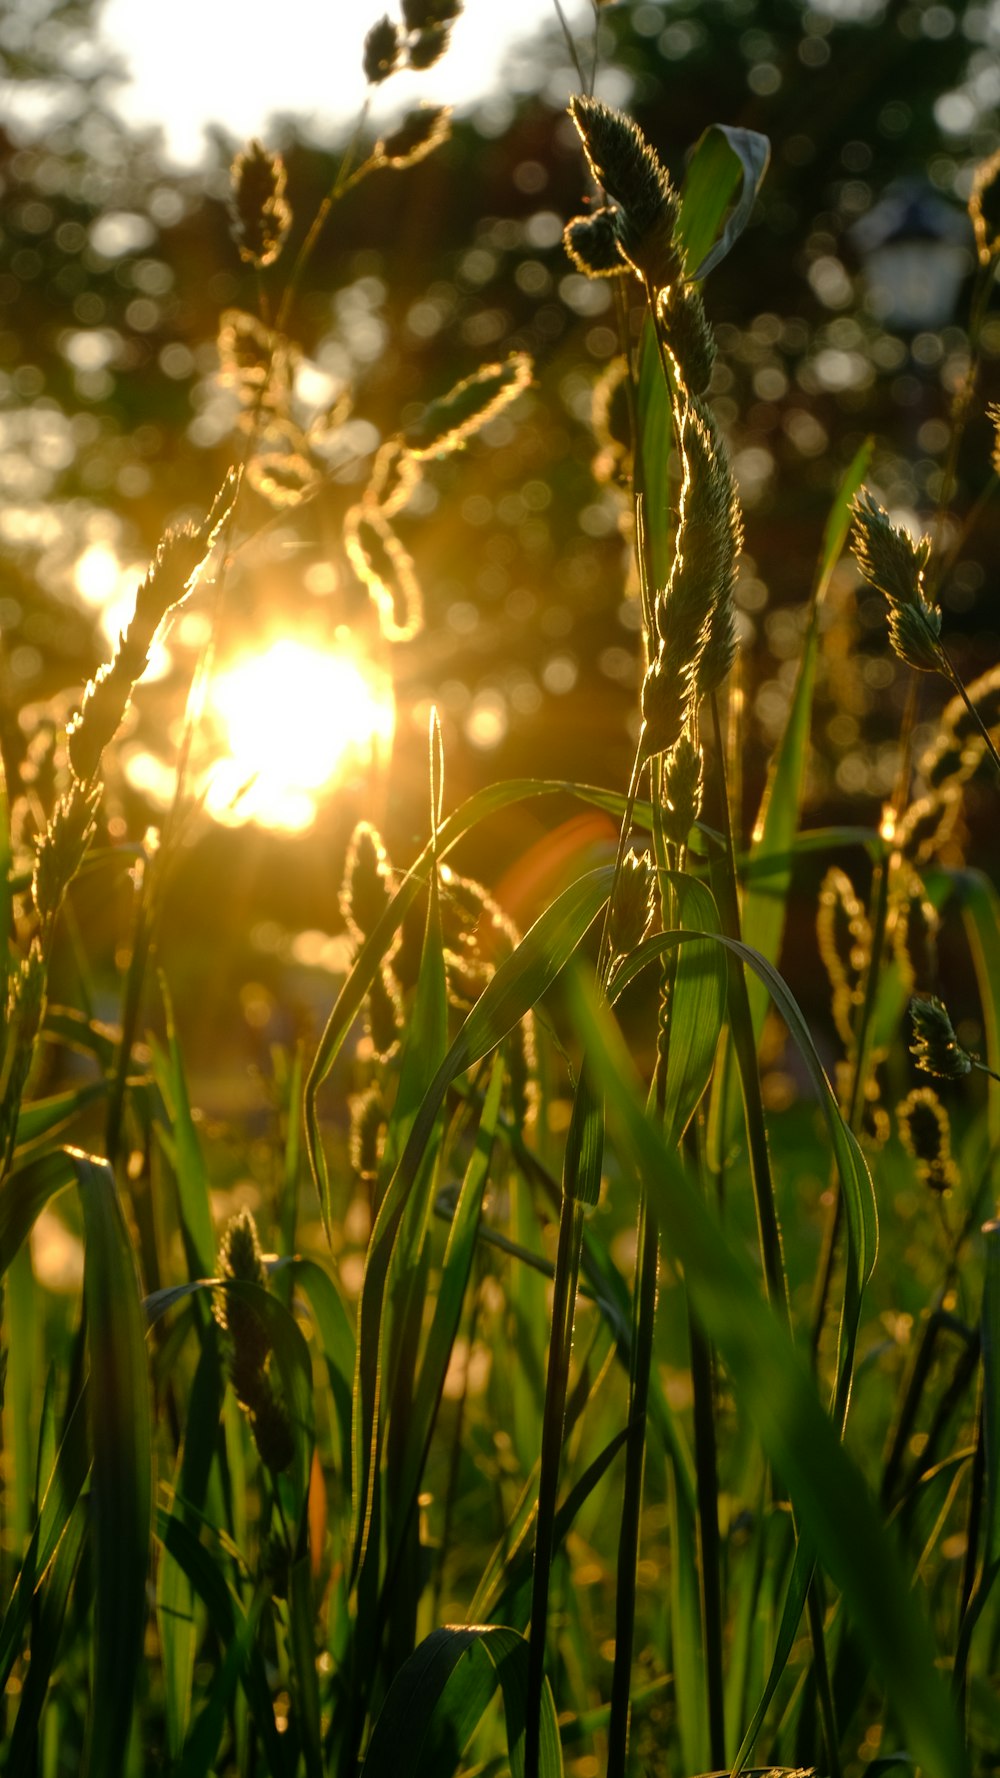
point(121, 1485)
point(197, 1228)
point(721, 159)
point(69, 1473)
point(516, 987)
point(301, 1615)
point(438, 1699)
point(23, 1196)
point(697, 1008)
point(654, 418)
point(22, 1330)
point(763, 911)
point(205, 1572)
point(175, 1599)
point(336, 1333)
point(41, 1119)
point(448, 1301)
point(202, 1746)
point(489, 801)
point(777, 1395)
point(980, 906)
point(50, 1615)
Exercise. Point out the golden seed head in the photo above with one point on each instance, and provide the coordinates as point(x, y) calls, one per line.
point(682, 785)
point(984, 208)
point(447, 423)
point(260, 211)
point(634, 903)
point(367, 1136)
point(592, 244)
point(935, 1048)
point(367, 886)
point(684, 329)
point(925, 1133)
point(416, 137)
point(382, 50)
point(629, 170)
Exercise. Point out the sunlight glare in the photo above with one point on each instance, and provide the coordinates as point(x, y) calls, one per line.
point(293, 719)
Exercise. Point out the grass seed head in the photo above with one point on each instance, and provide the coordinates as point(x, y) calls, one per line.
point(419, 14)
point(935, 1048)
point(260, 210)
point(240, 1258)
point(915, 635)
point(367, 886)
point(845, 940)
point(386, 569)
point(272, 1430)
point(666, 701)
point(685, 332)
point(925, 1132)
point(984, 208)
point(382, 51)
point(896, 566)
point(384, 1015)
point(928, 823)
point(447, 423)
point(367, 1136)
point(915, 933)
point(427, 47)
point(592, 244)
point(416, 137)
point(682, 786)
point(629, 170)
point(634, 903)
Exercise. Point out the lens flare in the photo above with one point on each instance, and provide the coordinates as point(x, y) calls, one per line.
point(293, 720)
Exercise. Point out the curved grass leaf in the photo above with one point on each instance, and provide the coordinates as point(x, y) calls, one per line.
point(24, 1194)
point(205, 1572)
point(121, 1481)
point(722, 158)
point(65, 1483)
point(489, 801)
point(834, 1508)
point(438, 1699)
point(336, 1333)
point(763, 909)
point(517, 986)
point(42, 1119)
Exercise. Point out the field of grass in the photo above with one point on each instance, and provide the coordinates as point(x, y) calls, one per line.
point(608, 1378)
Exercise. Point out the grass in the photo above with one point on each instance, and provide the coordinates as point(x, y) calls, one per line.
point(586, 1430)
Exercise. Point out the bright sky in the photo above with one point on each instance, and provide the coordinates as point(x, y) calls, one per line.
point(236, 62)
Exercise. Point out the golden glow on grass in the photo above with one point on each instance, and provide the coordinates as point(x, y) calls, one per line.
point(293, 719)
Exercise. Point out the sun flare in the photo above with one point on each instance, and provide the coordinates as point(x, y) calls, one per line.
point(292, 720)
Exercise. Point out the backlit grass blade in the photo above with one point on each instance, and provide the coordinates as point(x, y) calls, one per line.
point(988, 1567)
point(448, 1301)
point(201, 1749)
point(697, 1007)
point(777, 1396)
point(301, 1619)
point(438, 1699)
point(336, 1333)
point(41, 1119)
point(723, 158)
point(859, 1196)
point(49, 1618)
point(763, 910)
point(516, 987)
point(186, 1157)
point(175, 1599)
point(69, 1473)
point(980, 906)
point(22, 1330)
point(489, 801)
point(656, 431)
point(24, 1194)
point(121, 1483)
point(205, 1572)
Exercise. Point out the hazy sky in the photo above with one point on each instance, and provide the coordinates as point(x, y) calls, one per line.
point(199, 61)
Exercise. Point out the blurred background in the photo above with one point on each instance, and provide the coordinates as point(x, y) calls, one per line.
point(842, 312)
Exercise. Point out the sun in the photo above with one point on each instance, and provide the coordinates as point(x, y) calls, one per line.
point(292, 720)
